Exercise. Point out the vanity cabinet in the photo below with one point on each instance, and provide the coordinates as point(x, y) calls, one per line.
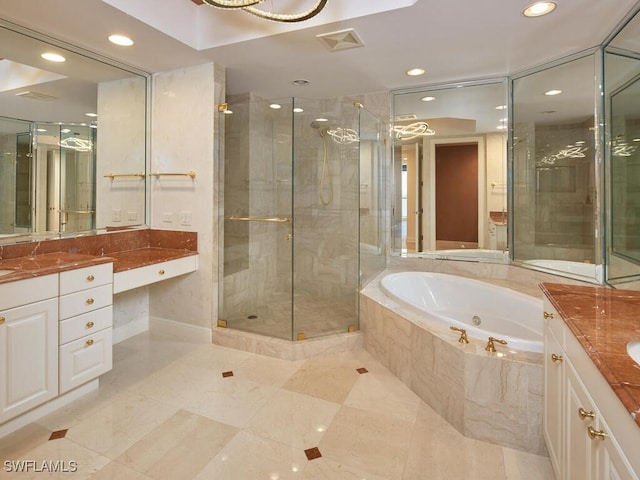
point(86, 323)
point(582, 443)
point(28, 344)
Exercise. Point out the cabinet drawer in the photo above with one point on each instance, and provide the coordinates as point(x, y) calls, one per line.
point(22, 292)
point(138, 277)
point(87, 277)
point(76, 327)
point(85, 359)
point(85, 301)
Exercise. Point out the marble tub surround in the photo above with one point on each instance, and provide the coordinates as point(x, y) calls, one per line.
point(604, 320)
point(494, 397)
point(38, 265)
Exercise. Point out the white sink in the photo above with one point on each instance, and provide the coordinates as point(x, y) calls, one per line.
point(633, 349)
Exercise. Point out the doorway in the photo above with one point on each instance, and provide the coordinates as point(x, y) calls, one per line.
point(456, 196)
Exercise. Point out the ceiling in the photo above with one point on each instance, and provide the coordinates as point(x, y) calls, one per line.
point(452, 40)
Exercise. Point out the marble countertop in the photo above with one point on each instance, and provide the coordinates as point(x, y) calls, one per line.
point(604, 320)
point(37, 265)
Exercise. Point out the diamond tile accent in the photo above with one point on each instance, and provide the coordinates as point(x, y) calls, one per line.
point(58, 434)
point(227, 374)
point(312, 453)
point(362, 370)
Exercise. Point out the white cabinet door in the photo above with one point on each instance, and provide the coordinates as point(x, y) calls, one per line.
point(553, 420)
point(611, 465)
point(28, 357)
point(85, 359)
point(580, 415)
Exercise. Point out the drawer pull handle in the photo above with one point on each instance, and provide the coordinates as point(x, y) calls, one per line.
point(90, 278)
point(90, 324)
point(2, 320)
point(90, 301)
point(89, 342)
point(548, 315)
point(556, 358)
point(583, 414)
point(593, 433)
point(161, 272)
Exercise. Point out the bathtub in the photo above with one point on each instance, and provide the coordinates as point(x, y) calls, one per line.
point(480, 308)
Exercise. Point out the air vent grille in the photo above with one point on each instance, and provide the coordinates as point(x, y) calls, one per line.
point(340, 40)
point(36, 95)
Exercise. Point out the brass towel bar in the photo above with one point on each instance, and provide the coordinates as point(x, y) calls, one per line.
point(113, 176)
point(258, 219)
point(190, 173)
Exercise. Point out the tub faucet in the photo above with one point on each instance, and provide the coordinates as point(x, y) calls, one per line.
point(463, 334)
point(491, 347)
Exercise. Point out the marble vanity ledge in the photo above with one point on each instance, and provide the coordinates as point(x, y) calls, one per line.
point(45, 264)
point(604, 320)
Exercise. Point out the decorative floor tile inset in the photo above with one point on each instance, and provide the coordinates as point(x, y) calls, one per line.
point(58, 434)
point(362, 370)
point(227, 374)
point(312, 453)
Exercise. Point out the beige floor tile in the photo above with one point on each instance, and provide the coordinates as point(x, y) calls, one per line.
point(215, 357)
point(375, 443)
point(117, 471)
point(267, 370)
point(329, 378)
point(115, 426)
point(16, 444)
point(178, 448)
point(384, 395)
point(323, 469)
point(294, 419)
point(249, 456)
point(66, 457)
point(526, 466)
point(438, 450)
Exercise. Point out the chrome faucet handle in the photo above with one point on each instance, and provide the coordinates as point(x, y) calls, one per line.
point(490, 344)
point(463, 334)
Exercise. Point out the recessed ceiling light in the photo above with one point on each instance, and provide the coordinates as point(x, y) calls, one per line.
point(415, 72)
point(93, 126)
point(427, 99)
point(53, 57)
point(42, 129)
point(301, 82)
point(321, 119)
point(501, 127)
point(539, 9)
point(121, 40)
point(298, 110)
point(65, 130)
point(275, 106)
point(91, 114)
point(634, 140)
point(504, 119)
point(551, 93)
point(501, 107)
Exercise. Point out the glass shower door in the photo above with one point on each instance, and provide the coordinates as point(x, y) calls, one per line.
point(256, 256)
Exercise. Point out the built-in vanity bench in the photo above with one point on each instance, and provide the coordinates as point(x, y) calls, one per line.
point(592, 385)
point(56, 314)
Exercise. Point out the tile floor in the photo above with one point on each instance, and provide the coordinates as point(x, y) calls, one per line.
point(166, 411)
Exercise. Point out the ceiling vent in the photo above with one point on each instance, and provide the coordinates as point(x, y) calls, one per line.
point(35, 95)
point(406, 116)
point(341, 40)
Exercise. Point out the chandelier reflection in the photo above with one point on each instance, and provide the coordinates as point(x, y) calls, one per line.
point(343, 135)
point(249, 6)
point(569, 152)
point(413, 130)
point(79, 144)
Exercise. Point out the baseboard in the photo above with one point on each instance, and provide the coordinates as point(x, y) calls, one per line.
point(163, 327)
point(130, 329)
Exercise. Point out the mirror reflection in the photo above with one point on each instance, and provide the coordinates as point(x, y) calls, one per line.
point(555, 207)
point(55, 176)
point(450, 171)
point(622, 71)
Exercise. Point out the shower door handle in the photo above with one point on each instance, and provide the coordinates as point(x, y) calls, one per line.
point(266, 220)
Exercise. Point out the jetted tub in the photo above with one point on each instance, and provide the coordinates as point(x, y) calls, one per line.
point(482, 309)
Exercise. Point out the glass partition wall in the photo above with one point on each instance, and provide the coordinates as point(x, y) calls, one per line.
point(300, 177)
point(556, 168)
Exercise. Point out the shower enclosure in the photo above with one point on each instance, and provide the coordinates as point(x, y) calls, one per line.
point(301, 214)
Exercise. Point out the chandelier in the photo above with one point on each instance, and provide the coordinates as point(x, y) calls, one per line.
point(249, 6)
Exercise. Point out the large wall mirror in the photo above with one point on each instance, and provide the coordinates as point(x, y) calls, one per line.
point(622, 73)
point(73, 141)
point(450, 171)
